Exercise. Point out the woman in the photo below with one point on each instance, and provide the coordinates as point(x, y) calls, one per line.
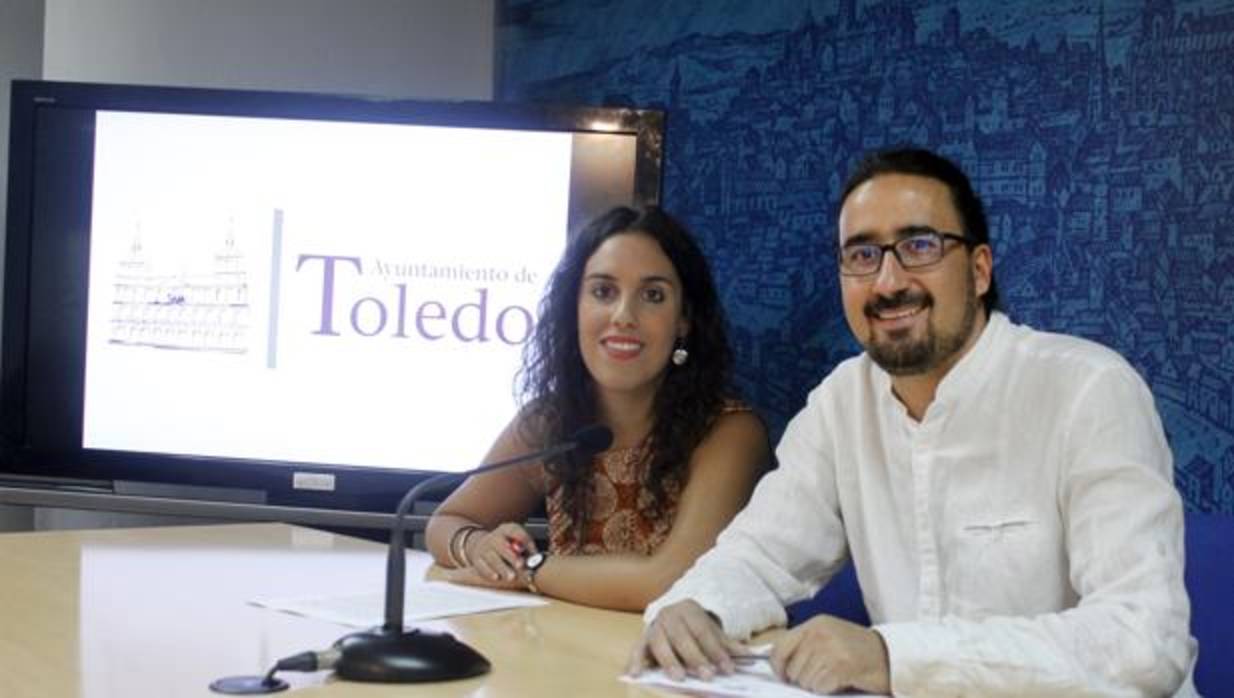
point(631, 336)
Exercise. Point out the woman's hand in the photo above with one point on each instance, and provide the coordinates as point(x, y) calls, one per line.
point(472, 577)
point(496, 557)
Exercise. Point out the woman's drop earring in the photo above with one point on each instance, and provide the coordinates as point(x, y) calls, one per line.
point(680, 355)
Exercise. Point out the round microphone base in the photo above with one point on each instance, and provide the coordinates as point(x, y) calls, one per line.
point(248, 685)
point(412, 656)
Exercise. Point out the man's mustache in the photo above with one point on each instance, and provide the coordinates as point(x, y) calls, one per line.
point(901, 299)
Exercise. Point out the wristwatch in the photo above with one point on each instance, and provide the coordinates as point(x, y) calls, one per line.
point(533, 563)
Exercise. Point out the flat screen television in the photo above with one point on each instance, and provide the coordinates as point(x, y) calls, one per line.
point(317, 298)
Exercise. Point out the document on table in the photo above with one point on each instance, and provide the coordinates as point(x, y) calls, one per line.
point(422, 601)
point(752, 678)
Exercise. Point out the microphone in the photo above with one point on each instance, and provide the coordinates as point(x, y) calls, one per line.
point(389, 654)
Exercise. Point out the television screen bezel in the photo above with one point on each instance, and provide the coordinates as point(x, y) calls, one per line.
point(355, 488)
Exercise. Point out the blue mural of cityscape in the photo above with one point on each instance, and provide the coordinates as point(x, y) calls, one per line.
point(1100, 135)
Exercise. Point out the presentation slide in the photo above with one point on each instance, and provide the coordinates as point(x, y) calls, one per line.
point(312, 291)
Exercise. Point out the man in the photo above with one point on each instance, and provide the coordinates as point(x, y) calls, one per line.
point(1005, 494)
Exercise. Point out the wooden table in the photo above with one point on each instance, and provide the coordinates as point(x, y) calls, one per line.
point(162, 612)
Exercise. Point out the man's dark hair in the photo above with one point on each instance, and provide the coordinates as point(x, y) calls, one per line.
point(923, 163)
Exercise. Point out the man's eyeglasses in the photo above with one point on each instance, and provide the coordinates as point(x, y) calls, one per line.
point(913, 252)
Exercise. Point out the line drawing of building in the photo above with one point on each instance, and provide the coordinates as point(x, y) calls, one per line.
point(206, 311)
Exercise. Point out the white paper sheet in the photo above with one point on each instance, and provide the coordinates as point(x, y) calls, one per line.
point(423, 601)
point(752, 678)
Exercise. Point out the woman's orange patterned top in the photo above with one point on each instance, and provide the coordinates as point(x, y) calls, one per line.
point(619, 521)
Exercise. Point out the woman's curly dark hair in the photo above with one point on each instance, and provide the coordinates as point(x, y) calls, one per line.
point(556, 389)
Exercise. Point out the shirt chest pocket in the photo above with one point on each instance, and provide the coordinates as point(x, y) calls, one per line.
point(1003, 566)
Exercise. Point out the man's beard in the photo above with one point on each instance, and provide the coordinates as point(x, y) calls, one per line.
point(909, 356)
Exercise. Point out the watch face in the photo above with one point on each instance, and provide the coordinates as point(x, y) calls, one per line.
point(535, 560)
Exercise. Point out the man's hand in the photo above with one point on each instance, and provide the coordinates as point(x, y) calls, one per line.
point(826, 655)
point(683, 639)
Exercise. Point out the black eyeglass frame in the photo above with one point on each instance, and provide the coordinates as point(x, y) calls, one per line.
point(893, 247)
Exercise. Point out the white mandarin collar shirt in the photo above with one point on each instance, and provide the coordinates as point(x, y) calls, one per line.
point(1024, 538)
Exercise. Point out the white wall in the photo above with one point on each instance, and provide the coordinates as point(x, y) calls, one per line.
point(21, 57)
point(400, 48)
point(427, 49)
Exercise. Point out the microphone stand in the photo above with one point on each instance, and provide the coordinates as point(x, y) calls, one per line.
point(390, 654)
